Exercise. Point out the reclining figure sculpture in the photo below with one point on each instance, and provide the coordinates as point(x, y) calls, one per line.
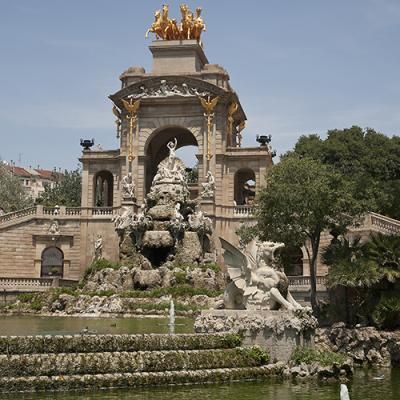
point(257, 283)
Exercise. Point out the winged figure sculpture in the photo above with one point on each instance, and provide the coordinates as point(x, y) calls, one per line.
point(208, 104)
point(131, 106)
point(256, 281)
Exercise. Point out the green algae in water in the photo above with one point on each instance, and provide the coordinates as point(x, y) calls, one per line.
point(362, 387)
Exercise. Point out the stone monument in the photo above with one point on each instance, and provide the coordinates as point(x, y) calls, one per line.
point(258, 303)
point(169, 226)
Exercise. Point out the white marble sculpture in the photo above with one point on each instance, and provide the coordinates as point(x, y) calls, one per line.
point(123, 220)
point(198, 222)
point(166, 90)
point(257, 282)
point(54, 228)
point(98, 248)
point(208, 186)
point(128, 187)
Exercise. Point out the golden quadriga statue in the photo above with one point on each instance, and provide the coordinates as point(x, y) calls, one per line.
point(191, 25)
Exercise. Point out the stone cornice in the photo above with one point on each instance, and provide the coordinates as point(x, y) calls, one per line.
point(152, 84)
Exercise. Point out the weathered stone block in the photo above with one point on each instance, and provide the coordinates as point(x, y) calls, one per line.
point(157, 239)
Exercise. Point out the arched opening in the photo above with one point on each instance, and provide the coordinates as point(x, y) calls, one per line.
point(292, 260)
point(103, 189)
point(245, 187)
point(52, 263)
point(156, 150)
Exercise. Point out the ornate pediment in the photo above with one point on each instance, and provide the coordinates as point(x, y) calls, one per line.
point(169, 86)
point(174, 86)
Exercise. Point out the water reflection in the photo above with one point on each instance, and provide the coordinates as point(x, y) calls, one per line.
point(32, 325)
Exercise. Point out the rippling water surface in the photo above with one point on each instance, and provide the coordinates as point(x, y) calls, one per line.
point(33, 325)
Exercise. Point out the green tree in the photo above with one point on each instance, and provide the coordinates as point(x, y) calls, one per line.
point(12, 194)
point(369, 158)
point(66, 192)
point(302, 198)
point(371, 272)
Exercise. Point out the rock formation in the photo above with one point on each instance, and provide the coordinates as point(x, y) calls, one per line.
point(169, 227)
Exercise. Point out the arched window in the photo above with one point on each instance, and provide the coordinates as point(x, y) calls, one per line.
point(292, 260)
point(52, 263)
point(245, 187)
point(103, 189)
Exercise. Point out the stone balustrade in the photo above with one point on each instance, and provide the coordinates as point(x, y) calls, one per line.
point(244, 211)
point(58, 212)
point(73, 211)
point(102, 211)
point(18, 214)
point(384, 224)
point(33, 284)
point(25, 284)
point(305, 281)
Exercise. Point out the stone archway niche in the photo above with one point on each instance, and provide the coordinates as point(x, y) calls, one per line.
point(103, 189)
point(156, 148)
point(52, 263)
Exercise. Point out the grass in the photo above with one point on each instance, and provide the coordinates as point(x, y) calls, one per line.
point(99, 265)
point(256, 353)
point(34, 300)
point(174, 291)
point(309, 356)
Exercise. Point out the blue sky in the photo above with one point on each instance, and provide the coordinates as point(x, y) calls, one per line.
point(299, 67)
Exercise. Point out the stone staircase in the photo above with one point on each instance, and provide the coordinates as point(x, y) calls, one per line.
point(38, 363)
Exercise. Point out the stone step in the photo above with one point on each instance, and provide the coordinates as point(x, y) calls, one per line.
point(124, 362)
point(119, 380)
point(115, 343)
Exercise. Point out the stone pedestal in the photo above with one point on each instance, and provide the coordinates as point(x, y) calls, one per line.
point(177, 56)
point(279, 332)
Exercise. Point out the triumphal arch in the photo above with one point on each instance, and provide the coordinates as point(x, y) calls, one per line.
point(184, 98)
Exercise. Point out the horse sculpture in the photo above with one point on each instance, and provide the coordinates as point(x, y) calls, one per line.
point(198, 25)
point(160, 24)
point(186, 22)
point(168, 29)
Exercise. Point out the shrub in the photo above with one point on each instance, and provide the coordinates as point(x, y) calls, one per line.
point(35, 301)
point(174, 291)
point(99, 265)
point(309, 356)
point(387, 312)
point(256, 353)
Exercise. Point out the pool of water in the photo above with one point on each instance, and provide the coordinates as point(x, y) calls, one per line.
point(362, 387)
point(34, 325)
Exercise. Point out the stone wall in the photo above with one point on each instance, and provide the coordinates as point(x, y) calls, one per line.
point(22, 244)
point(365, 345)
point(34, 363)
point(278, 332)
point(24, 238)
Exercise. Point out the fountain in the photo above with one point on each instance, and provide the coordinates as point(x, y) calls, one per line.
point(258, 303)
point(171, 323)
point(169, 227)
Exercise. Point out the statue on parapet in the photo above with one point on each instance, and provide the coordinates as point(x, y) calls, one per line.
point(208, 186)
point(128, 187)
point(257, 283)
point(98, 248)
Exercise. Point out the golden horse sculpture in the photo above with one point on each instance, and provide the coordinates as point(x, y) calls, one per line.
point(165, 28)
